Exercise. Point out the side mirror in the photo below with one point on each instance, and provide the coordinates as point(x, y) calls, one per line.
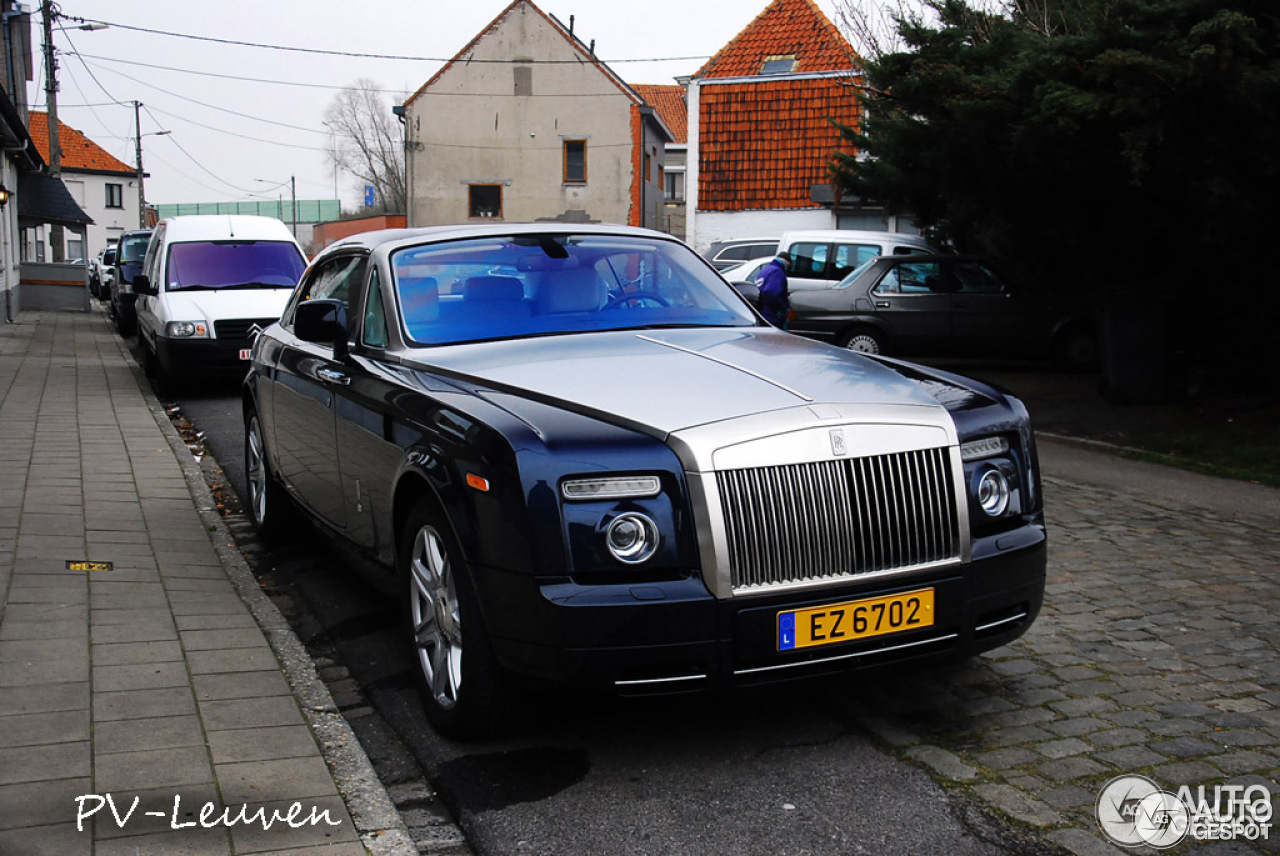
point(142, 285)
point(323, 322)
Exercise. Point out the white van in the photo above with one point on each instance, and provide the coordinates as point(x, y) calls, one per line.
point(209, 284)
point(821, 257)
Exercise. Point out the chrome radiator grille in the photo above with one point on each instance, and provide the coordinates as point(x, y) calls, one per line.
point(802, 522)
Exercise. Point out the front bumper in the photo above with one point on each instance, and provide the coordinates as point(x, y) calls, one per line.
point(211, 358)
point(674, 636)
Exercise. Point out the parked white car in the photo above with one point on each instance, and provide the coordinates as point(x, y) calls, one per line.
point(210, 284)
point(747, 271)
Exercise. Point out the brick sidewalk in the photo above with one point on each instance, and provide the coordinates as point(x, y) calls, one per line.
point(151, 679)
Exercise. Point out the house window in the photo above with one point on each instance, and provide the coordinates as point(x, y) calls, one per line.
point(575, 161)
point(484, 201)
point(778, 64)
point(673, 190)
point(115, 195)
point(75, 249)
point(524, 79)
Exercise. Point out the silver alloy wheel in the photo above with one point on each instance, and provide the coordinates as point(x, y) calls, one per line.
point(257, 471)
point(863, 343)
point(437, 625)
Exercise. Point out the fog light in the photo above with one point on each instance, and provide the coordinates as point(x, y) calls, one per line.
point(631, 537)
point(993, 493)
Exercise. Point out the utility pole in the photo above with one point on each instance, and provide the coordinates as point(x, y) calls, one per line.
point(137, 134)
point(51, 99)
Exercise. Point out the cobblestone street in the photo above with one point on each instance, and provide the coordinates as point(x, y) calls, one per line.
point(1156, 653)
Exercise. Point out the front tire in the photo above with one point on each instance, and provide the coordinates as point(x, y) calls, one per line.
point(457, 674)
point(269, 507)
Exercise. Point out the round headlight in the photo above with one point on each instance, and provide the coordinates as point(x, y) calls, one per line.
point(993, 493)
point(632, 537)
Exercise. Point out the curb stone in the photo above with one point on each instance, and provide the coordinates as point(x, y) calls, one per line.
point(382, 830)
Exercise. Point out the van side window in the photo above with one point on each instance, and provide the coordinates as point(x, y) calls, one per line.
point(849, 256)
point(809, 260)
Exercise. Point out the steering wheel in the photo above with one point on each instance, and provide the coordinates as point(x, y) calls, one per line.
point(636, 297)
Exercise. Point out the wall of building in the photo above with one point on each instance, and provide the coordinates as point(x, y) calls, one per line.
point(470, 127)
point(325, 234)
point(722, 225)
point(90, 191)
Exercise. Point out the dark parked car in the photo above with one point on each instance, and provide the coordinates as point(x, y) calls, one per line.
point(130, 252)
point(581, 456)
point(945, 305)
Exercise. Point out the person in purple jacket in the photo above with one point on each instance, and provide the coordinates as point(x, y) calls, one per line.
point(775, 300)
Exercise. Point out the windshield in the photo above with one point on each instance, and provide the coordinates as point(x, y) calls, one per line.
point(134, 248)
point(524, 285)
point(230, 264)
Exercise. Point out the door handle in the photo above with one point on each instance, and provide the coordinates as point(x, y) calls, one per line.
point(882, 304)
point(331, 376)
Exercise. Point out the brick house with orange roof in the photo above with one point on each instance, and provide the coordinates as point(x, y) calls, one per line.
point(102, 184)
point(760, 128)
point(526, 124)
point(668, 100)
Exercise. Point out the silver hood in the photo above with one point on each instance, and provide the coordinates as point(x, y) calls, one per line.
point(667, 381)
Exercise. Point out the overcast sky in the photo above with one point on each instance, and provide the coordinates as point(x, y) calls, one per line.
point(244, 119)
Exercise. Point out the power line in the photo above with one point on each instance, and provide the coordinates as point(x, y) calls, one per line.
point(214, 106)
point(356, 55)
point(328, 86)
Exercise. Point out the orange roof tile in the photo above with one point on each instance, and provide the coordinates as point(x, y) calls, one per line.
point(78, 151)
point(761, 145)
point(785, 28)
point(668, 100)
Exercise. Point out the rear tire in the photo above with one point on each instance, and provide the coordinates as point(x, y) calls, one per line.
point(457, 674)
point(863, 340)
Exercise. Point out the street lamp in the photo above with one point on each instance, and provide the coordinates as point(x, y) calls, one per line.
point(138, 135)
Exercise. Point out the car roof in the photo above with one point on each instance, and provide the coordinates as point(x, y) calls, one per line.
point(213, 227)
point(394, 238)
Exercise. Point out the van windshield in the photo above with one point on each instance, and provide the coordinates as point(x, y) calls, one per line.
point(233, 264)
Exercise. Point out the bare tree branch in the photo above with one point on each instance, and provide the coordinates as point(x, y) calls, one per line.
point(366, 142)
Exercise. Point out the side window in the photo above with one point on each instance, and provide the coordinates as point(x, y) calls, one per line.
point(337, 279)
point(375, 315)
point(150, 265)
point(737, 253)
point(911, 278)
point(331, 281)
point(974, 278)
point(809, 260)
point(849, 256)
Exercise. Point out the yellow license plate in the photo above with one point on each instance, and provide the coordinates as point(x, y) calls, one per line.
point(854, 619)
